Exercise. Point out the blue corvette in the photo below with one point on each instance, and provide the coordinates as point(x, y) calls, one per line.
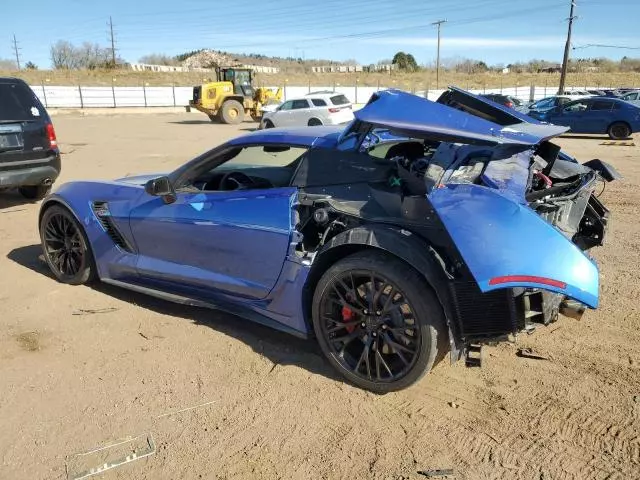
point(420, 228)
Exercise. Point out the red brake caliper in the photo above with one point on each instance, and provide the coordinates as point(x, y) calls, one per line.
point(347, 316)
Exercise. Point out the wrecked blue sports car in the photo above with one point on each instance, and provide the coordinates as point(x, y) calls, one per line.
point(420, 228)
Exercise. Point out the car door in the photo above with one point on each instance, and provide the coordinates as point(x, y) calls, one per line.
point(283, 116)
point(572, 115)
point(599, 116)
point(211, 242)
point(300, 112)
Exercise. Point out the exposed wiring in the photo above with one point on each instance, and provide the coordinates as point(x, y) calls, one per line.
point(604, 185)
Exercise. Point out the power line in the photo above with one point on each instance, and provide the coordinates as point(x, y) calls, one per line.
point(16, 49)
point(438, 23)
point(599, 45)
point(567, 46)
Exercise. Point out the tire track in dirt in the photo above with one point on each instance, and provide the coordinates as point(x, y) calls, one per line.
point(562, 440)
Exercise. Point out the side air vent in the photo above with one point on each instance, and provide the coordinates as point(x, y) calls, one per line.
point(101, 210)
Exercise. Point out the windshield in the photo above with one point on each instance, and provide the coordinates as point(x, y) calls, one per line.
point(17, 102)
point(242, 78)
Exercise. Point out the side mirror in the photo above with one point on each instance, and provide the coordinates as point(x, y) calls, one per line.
point(161, 187)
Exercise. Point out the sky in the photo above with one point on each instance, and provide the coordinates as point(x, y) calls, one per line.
point(494, 31)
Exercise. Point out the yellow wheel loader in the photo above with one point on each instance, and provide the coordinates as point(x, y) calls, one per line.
point(232, 96)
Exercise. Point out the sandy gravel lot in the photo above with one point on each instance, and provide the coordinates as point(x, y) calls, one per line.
point(269, 405)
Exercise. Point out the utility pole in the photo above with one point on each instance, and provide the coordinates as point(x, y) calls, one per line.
point(567, 46)
point(113, 44)
point(438, 23)
point(16, 50)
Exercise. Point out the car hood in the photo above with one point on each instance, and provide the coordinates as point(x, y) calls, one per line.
point(410, 115)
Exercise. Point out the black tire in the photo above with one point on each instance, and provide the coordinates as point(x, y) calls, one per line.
point(314, 122)
point(35, 192)
point(619, 131)
point(268, 124)
point(65, 247)
point(405, 334)
point(232, 112)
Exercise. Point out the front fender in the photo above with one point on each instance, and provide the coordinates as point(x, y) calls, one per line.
point(506, 244)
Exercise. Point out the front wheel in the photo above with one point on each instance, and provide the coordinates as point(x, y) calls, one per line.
point(232, 112)
point(378, 322)
point(65, 247)
point(619, 131)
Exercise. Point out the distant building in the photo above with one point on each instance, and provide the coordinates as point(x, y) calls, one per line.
point(261, 68)
point(145, 67)
point(337, 68)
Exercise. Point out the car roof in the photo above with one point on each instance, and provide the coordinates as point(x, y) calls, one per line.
point(320, 136)
point(415, 116)
point(321, 95)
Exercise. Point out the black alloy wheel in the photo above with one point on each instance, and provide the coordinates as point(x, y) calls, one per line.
point(65, 247)
point(378, 322)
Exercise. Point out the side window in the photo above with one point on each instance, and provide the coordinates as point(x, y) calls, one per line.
point(577, 106)
point(563, 100)
point(601, 105)
point(318, 102)
point(252, 167)
point(298, 104)
point(543, 103)
point(286, 105)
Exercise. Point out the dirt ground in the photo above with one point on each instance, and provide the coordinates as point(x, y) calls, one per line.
point(82, 368)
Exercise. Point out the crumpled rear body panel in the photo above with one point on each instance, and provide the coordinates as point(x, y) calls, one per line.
point(498, 237)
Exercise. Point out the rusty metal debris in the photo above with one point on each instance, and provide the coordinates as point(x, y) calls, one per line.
point(98, 461)
point(90, 311)
point(444, 472)
point(528, 353)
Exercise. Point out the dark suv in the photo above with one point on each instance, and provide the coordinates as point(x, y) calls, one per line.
point(29, 154)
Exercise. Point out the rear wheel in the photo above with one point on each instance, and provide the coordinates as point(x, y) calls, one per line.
point(65, 247)
point(268, 124)
point(314, 122)
point(619, 131)
point(378, 322)
point(232, 112)
point(35, 192)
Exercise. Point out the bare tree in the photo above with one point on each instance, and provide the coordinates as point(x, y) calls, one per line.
point(90, 56)
point(63, 56)
point(6, 64)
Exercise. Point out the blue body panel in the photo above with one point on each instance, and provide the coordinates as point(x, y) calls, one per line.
point(228, 242)
point(421, 117)
point(239, 246)
point(498, 237)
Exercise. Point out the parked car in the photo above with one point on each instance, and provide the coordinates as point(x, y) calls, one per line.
point(29, 154)
point(633, 97)
point(416, 230)
point(321, 108)
point(506, 100)
point(548, 103)
point(597, 115)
